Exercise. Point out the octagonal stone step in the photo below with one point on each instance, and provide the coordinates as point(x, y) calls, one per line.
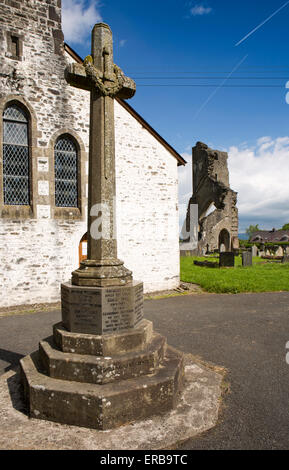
point(101, 370)
point(102, 406)
point(107, 345)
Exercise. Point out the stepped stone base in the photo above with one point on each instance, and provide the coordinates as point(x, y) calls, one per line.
point(196, 412)
point(65, 381)
point(107, 345)
point(100, 370)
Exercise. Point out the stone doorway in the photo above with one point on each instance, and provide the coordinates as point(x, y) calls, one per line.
point(224, 241)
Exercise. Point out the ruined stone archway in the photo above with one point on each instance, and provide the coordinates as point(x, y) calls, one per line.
point(224, 241)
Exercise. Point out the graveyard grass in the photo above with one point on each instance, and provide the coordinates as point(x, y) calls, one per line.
point(261, 277)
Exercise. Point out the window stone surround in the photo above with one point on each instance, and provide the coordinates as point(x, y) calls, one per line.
point(36, 175)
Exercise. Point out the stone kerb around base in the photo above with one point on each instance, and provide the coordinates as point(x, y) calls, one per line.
point(102, 406)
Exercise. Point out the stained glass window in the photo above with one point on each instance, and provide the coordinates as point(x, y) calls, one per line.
point(15, 157)
point(66, 169)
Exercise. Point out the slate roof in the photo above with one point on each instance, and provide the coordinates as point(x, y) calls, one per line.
point(263, 236)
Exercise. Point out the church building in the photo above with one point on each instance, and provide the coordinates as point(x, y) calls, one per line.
point(44, 132)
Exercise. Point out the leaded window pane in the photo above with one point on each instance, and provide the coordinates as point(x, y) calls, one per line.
point(66, 168)
point(15, 113)
point(15, 157)
point(15, 133)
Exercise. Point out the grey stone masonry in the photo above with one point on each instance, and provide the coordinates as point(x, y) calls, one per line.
point(34, 79)
point(216, 201)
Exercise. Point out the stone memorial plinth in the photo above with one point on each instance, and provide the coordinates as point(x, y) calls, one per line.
point(227, 260)
point(101, 310)
point(247, 258)
point(104, 366)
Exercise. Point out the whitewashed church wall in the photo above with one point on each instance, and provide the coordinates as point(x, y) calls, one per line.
point(147, 205)
point(37, 255)
point(39, 252)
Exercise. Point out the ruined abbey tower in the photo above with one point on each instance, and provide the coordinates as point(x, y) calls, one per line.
point(216, 201)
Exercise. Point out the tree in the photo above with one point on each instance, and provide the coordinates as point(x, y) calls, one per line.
point(252, 229)
point(285, 227)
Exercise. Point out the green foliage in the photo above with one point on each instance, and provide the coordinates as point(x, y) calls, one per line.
point(261, 277)
point(245, 244)
point(285, 227)
point(252, 229)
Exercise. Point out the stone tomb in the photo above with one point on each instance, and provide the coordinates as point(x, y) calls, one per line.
point(227, 260)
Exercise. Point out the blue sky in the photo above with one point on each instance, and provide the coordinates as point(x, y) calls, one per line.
point(175, 38)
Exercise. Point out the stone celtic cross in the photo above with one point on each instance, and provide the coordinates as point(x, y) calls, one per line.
point(105, 81)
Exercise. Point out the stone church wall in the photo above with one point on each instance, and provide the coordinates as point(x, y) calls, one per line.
point(39, 243)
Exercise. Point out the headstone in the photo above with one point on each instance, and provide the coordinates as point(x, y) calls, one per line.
point(254, 251)
point(285, 259)
point(104, 366)
point(247, 259)
point(227, 259)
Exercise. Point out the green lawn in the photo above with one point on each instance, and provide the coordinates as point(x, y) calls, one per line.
point(262, 277)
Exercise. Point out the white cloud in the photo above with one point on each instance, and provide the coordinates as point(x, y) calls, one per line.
point(78, 18)
point(122, 42)
point(200, 10)
point(260, 175)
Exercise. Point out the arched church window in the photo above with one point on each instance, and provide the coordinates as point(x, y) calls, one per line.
point(66, 171)
point(16, 165)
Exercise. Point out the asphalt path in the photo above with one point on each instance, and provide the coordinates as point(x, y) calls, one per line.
point(245, 333)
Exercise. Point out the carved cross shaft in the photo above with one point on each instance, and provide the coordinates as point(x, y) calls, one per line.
point(105, 81)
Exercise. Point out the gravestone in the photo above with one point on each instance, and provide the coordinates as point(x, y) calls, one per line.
point(254, 251)
point(104, 365)
point(285, 259)
point(247, 258)
point(227, 260)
